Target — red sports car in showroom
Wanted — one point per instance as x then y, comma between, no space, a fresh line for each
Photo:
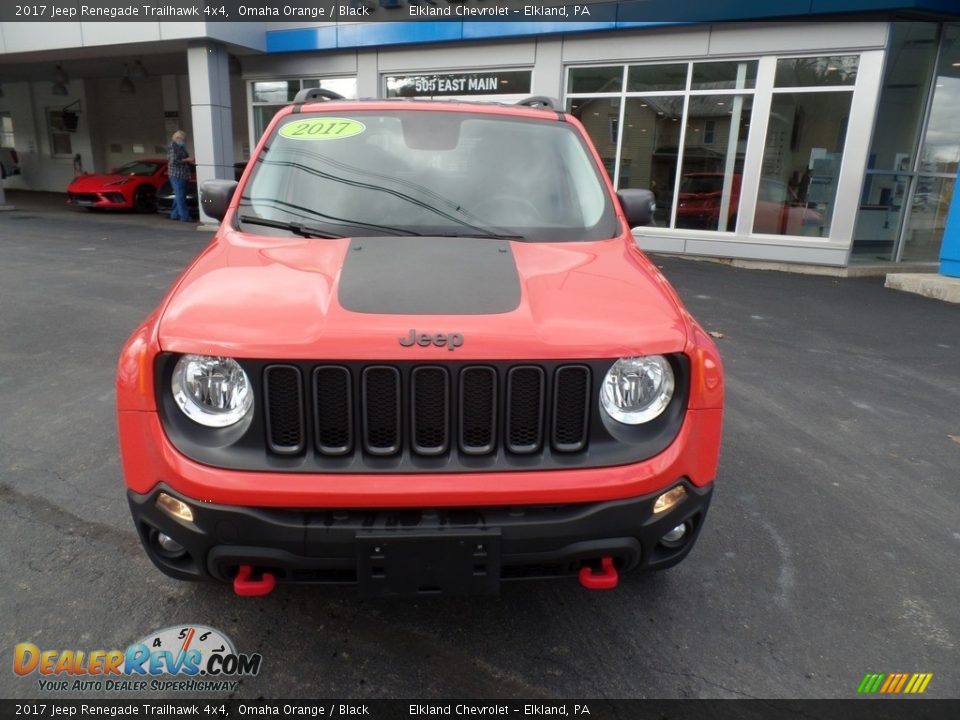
129,187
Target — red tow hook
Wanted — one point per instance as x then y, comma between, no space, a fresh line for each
606,579
244,586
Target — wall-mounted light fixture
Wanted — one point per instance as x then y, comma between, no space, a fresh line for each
139,71
60,80
126,84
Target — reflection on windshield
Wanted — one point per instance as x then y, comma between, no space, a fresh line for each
431,173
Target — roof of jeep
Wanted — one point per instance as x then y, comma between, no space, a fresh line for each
393,104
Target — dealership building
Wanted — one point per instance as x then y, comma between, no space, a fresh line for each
822,132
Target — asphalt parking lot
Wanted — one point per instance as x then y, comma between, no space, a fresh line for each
830,550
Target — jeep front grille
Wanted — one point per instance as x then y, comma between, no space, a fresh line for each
456,416
478,410
571,407
332,410
284,418
380,410
427,410
524,409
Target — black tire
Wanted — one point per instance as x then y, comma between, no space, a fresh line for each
145,199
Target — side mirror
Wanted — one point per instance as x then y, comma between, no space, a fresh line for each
215,197
638,205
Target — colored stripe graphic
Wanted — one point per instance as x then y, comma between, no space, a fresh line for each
918,683
903,679
894,683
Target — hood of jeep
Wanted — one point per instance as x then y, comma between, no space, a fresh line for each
403,298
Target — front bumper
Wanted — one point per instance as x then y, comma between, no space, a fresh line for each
111,200
348,546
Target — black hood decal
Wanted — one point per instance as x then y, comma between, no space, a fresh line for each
429,276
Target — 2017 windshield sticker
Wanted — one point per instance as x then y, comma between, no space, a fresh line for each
334,128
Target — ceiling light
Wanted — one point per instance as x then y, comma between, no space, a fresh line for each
59,89
139,71
60,75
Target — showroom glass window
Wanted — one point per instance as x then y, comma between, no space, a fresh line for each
915,149
268,96
680,130
939,158
910,64
806,132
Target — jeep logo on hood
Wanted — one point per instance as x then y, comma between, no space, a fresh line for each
451,340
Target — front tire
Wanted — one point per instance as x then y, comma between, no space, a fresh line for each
145,199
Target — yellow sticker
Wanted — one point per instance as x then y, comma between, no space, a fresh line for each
327,128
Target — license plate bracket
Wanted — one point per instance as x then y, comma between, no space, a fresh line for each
464,562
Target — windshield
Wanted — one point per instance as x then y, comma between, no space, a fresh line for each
137,167
700,184
409,172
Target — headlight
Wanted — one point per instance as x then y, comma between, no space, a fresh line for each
124,181
637,389
213,391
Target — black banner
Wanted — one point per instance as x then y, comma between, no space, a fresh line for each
887,709
580,12
317,10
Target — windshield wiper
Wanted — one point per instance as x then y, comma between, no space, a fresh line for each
381,187
490,235
294,227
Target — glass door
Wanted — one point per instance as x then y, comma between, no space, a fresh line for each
887,188
939,159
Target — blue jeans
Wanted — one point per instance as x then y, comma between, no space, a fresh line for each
180,210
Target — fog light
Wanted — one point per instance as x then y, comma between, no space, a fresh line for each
174,508
675,535
669,500
169,545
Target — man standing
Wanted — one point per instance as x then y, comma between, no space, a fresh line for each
179,173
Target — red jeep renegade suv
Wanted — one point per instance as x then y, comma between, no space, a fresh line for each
423,354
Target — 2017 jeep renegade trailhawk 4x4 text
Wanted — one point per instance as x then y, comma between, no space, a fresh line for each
423,354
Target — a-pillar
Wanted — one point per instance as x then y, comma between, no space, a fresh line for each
212,142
